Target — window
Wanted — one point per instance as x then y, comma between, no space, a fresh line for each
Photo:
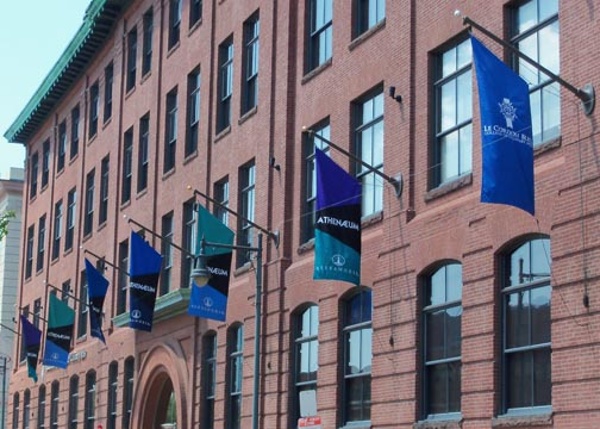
94,109
225,84
235,347
33,175
147,48
71,213
104,176
29,257
89,203
536,34
195,12
442,312
73,401
127,166
83,306
209,379
37,312
74,132
62,146
26,408
15,422
131,58
171,130
123,279
306,355
143,153
113,386
108,91
222,197
193,112
54,400
41,407
23,350
250,63
368,13
167,253
357,348
526,325
189,240
453,149
45,163
174,22
128,378
90,400
58,217
41,249
247,198
319,33
310,192
65,291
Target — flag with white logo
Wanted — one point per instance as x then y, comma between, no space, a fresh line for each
210,300
337,224
32,338
97,287
59,333
506,132
144,269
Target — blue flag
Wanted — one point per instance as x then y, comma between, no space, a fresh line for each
210,300
59,333
337,225
97,287
32,338
144,269
506,132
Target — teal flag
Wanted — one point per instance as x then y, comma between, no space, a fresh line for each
59,333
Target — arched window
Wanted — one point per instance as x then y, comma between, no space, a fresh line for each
26,408
54,398
90,400
526,342
209,378
235,370
41,414
442,313
128,378
15,422
73,401
113,373
306,355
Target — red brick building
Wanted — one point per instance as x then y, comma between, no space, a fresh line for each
470,315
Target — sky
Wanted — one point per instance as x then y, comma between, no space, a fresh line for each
33,35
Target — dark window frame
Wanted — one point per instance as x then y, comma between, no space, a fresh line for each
71,217
83,309
33,175
128,384
319,32
195,12
88,221
143,153
148,30
54,404
108,91
75,124
250,62
225,84
247,209
305,340
167,233
41,244
94,111
58,228
209,378
112,395
123,279
170,149
127,173
193,112
131,59
73,402
235,376
41,407
104,189
367,14
175,14
62,146
45,163
90,400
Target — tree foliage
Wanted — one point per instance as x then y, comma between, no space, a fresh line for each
4,219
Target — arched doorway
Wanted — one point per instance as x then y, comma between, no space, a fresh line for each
166,411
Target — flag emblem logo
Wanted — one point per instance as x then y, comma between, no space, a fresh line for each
136,314
508,111
207,301
338,260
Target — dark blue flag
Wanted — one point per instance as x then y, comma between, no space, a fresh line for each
32,338
210,300
337,224
97,287
144,268
506,133
59,333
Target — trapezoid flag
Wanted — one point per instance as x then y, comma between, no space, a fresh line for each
337,224
506,132
210,301
32,338
59,333
97,287
144,269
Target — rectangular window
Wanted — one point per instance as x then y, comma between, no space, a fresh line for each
123,278
26,408
113,388
108,91
71,214
143,153
73,401
37,312
131,58
15,419
22,350
167,253
45,163
127,166
452,154
536,33
319,33
94,109
62,146
250,63
171,131
88,221
104,176
128,379
41,249
235,376
147,48
222,197
174,22
74,132
368,137
225,84
195,12
310,191
306,354
54,400
65,291
368,13
209,380
189,240
90,400
83,306
58,226
29,257
247,199
193,112
33,175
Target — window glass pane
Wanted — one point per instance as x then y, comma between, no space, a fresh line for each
540,315
366,354
542,384
448,105
519,373
453,282
434,322
437,288
464,99
453,331
359,399
464,54
449,62
449,158
549,57
517,320
354,352
528,46
551,111
527,16
466,149
547,8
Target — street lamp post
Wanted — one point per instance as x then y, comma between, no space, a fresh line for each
200,276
